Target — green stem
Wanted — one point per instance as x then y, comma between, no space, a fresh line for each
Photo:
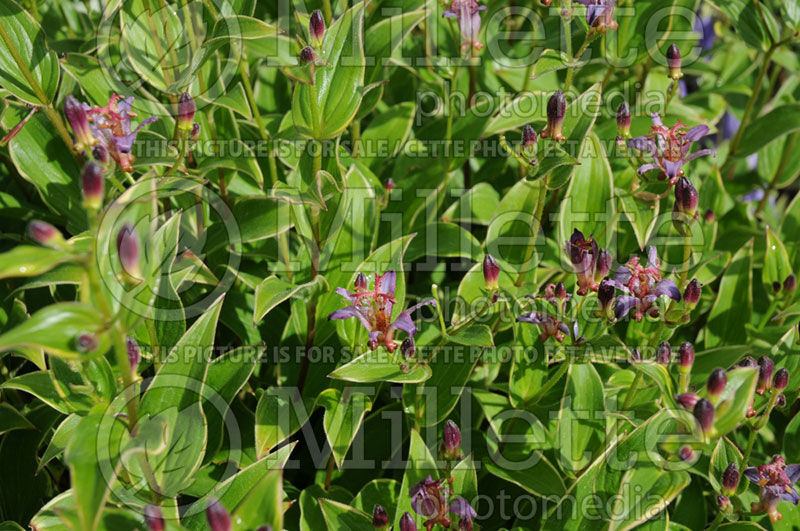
590,36
355,133
670,94
637,380
751,439
181,156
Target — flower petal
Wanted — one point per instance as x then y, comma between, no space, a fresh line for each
791,497
462,508
450,14
644,168
696,133
624,305
404,321
752,474
532,317
388,283
793,473
348,312
346,294
667,287
622,277
700,153
642,143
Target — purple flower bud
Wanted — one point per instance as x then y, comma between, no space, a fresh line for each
408,348
765,369
407,523
687,400
704,413
781,379
780,401
45,234
128,251
790,283
308,55
491,272
605,294
389,186
361,282
724,503
686,356
451,442
691,295
748,362
636,355
465,524
603,265
560,291
380,519
709,216
194,134
556,109
100,154
186,110
685,197
86,342
134,354
153,518
79,121
674,62
217,516
686,454
529,137
776,287
664,353
716,383
316,28
730,479
624,120
92,183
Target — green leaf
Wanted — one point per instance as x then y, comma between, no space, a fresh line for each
279,414
642,215
731,310
476,206
39,384
383,492
420,465
311,517
380,366
725,452
344,413
659,374
323,110
23,41
11,419
29,261
270,293
445,240
731,408
345,518
387,134
775,124
59,440
777,266
263,505
512,222
581,422
475,335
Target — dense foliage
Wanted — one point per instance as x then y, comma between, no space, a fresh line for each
407,264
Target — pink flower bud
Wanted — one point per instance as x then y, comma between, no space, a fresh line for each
686,454
491,272
134,354
674,62
361,282
380,519
717,381
790,283
704,413
686,356
691,295
79,121
153,518
316,28
451,442
687,400
217,516
408,348
624,120
93,184
308,55
664,353
128,251
45,234
685,197
730,479
556,110
407,523
186,110
781,379
86,342
765,370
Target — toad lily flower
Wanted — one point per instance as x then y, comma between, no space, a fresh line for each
670,147
600,14
374,310
590,262
469,22
642,286
429,499
551,326
777,483
111,127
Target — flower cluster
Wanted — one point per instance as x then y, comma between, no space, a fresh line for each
600,14
590,263
776,480
641,287
467,12
552,326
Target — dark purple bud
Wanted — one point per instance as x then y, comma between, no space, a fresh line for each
687,400
451,442
724,503
407,523
624,120
748,362
217,516
361,282
529,137
194,134
560,291
776,287
45,234
153,518
605,294
380,519
730,479
603,265
79,121
100,154
128,250
86,342
186,110
781,379
308,55
266,527
685,356
691,295
704,413
636,355
92,183
780,401
765,369
790,283
685,197
465,524
716,383
686,454
316,28
491,272
664,353
389,185
674,62
408,348
556,109
134,354
709,216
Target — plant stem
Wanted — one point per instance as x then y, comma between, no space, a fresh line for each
637,380
181,156
244,70
355,133
751,439
590,36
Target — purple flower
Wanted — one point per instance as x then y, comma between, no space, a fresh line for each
469,22
461,507
642,286
428,499
776,481
670,147
600,14
374,310
590,262
111,126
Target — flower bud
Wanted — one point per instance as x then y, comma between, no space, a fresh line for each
217,516
636,356
308,55
687,400
491,272
691,295
529,140
664,353
790,283
748,362
451,442
704,413
605,294
389,186
186,110
316,28
776,287
730,479
361,282
380,519
407,523
408,348
556,109
685,197
685,357
128,251
153,518
603,265
724,504
45,234
100,154
686,454
781,379
194,134
134,354
780,401
674,62
86,342
623,121
765,369
716,383
709,216
79,121
92,183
